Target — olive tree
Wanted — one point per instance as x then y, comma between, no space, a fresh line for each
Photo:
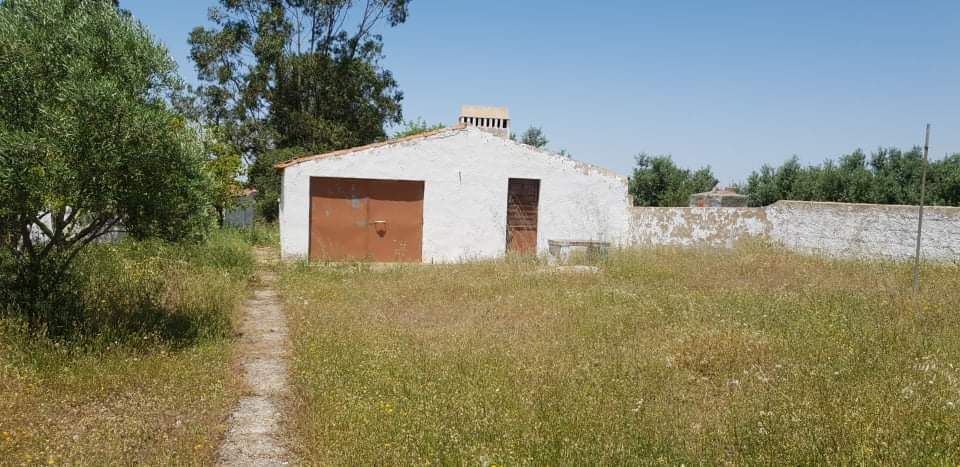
657,181
88,143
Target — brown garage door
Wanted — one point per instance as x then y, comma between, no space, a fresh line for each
523,199
356,219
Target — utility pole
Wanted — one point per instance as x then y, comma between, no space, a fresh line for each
923,189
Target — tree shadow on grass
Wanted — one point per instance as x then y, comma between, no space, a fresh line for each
140,324
151,326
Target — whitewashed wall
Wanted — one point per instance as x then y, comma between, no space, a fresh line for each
833,229
716,227
465,173
865,230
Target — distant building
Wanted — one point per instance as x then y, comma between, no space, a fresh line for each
493,120
718,198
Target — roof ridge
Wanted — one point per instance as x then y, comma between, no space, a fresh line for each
340,152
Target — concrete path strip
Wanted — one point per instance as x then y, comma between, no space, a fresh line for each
254,435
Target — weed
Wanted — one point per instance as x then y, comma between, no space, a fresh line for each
751,356
262,234
144,375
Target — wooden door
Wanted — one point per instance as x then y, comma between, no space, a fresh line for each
523,199
354,219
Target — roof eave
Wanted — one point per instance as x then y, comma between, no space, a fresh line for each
283,165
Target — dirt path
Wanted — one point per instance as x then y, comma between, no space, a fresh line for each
254,433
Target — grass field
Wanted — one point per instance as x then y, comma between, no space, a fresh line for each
146,377
664,357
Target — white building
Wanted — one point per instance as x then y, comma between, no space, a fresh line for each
448,195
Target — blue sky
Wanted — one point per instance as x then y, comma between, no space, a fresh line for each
728,84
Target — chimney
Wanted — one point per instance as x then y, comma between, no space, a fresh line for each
493,120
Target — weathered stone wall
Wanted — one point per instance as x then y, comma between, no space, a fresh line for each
834,229
720,227
865,230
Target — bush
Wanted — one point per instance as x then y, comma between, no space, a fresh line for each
151,292
144,374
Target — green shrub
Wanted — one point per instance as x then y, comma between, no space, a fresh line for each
144,293
143,375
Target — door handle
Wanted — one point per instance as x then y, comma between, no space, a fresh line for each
380,227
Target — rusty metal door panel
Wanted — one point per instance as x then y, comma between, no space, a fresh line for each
395,214
338,219
523,200
355,219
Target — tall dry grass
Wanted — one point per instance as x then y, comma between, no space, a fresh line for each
144,376
665,357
